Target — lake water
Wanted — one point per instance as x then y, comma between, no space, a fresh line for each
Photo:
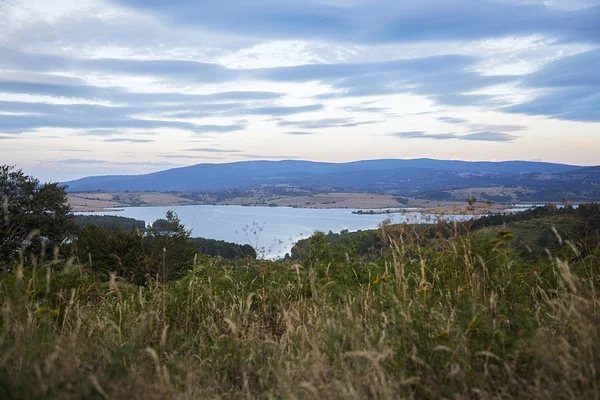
271,230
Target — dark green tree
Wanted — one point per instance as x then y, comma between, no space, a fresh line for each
168,248
116,250
33,216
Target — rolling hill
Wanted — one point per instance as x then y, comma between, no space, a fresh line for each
416,177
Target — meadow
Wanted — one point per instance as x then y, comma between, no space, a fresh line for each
445,311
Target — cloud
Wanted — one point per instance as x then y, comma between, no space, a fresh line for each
220,128
423,135
487,136
482,127
213,150
446,79
185,156
100,132
377,21
269,157
568,88
129,140
73,150
106,163
299,133
279,111
326,123
76,161
89,116
365,107
498,128
148,163
56,85
453,120
79,116
88,25
462,99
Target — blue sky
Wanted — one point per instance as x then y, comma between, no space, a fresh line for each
132,86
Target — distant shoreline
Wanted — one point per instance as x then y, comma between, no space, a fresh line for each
361,203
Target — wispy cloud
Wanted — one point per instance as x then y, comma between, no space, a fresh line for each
128,140
186,156
73,150
453,120
379,21
76,161
499,128
568,88
326,123
269,157
486,136
213,150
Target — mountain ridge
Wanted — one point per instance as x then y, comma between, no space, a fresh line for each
414,177
244,174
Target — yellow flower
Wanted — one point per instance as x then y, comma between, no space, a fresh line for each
504,235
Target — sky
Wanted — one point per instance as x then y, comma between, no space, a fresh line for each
97,87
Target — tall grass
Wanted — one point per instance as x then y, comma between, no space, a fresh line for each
462,319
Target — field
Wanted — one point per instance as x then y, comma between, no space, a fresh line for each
422,312
101,200
98,201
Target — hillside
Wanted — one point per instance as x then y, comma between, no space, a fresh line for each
424,178
418,177
530,233
405,311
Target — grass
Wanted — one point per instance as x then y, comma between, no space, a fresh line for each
467,318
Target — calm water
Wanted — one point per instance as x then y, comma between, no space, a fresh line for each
270,230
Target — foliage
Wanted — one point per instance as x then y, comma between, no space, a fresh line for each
33,216
111,222
117,251
402,200
223,249
584,210
534,233
459,316
164,251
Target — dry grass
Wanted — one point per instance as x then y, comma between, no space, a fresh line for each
462,320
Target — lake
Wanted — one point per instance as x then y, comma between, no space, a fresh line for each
272,231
